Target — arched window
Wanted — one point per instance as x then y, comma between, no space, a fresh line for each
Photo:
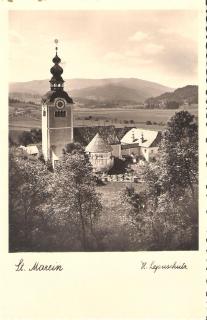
60,113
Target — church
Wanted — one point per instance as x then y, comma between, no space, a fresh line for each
57,116
57,131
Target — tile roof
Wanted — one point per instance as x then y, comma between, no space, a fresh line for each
142,137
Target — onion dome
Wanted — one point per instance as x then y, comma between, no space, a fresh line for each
56,70
56,80
56,59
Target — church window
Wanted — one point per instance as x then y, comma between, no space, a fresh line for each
60,113
44,113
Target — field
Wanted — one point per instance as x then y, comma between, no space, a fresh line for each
113,219
119,117
123,117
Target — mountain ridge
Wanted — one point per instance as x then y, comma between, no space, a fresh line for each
187,94
136,90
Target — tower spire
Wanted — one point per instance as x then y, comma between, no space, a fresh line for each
56,80
56,48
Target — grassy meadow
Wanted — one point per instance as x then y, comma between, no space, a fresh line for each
114,230
119,117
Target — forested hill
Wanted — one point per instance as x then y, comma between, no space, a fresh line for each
120,90
187,94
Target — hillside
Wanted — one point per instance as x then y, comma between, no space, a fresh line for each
116,89
110,92
185,95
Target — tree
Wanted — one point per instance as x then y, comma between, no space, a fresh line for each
32,136
138,219
75,197
36,135
166,214
25,138
74,148
172,105
179,154
29,191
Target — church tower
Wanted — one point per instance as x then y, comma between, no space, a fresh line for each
57,116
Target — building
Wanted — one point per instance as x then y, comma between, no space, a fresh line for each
57,116
100,154
141,143
31,150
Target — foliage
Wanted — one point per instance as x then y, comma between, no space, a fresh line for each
74,148
84,135
52,211
173,99
75,198
165,215
62,210
29,190
32,136
179,153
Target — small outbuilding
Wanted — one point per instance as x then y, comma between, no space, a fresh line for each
31,150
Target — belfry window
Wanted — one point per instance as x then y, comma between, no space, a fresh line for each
60,113
44,113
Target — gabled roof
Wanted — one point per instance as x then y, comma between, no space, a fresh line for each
31,149
142,137
98,145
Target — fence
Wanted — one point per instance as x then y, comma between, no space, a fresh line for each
119,178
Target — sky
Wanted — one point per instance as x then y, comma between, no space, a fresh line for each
159,45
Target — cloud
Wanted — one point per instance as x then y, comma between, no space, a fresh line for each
153,48
153,45
138,36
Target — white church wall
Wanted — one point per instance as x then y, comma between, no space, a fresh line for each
44,133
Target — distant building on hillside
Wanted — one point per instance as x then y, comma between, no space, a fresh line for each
141,142
100,154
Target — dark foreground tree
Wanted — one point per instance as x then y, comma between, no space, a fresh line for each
75,198
32,136
29,191
179,154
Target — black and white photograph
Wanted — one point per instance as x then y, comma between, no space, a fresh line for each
103,130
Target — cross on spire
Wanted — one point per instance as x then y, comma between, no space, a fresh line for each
56,42
56,80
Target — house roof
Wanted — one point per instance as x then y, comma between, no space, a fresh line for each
142,137
31,149
98,145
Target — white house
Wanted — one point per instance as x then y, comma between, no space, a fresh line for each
141,142
31,150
